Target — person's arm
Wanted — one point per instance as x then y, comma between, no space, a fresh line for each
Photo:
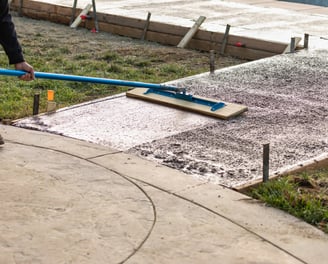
9,42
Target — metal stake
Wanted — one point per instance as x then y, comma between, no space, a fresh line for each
225,39
143,37
212,61
95,15
36,101
306,41
292,45
266,157
20,8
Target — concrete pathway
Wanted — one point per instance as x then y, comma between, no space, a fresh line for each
67,201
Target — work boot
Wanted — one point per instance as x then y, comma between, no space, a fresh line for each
1,140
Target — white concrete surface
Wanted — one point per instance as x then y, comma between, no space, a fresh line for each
118,122
266,19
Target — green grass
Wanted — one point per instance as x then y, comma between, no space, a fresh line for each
16,96
58,49
303,195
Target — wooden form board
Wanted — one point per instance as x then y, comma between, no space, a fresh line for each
190,34
78,19
157,31
227,112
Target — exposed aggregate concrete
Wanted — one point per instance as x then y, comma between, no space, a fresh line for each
287,97
288,106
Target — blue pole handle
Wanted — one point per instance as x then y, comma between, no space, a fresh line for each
76,78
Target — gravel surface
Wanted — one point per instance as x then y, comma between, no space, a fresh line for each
287,97
287,100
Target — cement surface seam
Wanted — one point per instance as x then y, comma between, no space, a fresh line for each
133,181
137,248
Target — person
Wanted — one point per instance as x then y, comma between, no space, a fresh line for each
11,46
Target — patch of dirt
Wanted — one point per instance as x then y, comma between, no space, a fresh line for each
313,185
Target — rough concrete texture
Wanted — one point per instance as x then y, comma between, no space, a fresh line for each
287,100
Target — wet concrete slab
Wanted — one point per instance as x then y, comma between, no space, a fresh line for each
118,122
287,102
286,96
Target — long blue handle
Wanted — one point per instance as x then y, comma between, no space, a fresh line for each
76,78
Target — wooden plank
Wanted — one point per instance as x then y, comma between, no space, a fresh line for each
259,44
42,7
203,45
59,19
34,5
159,32
45,16
121,30
140,24
244,53
184,42
64,10
78,19
121,20
36,14
167,39
227,112
248,54
200,34
163,38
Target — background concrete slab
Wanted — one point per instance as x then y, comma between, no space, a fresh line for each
275,20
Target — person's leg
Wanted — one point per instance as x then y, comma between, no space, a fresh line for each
1,140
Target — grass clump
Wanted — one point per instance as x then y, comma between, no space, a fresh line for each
303,195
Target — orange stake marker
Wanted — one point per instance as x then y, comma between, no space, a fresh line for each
51,95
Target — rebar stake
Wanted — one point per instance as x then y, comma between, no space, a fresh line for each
266,157
36,101
212,61
306,41
225,39
292,45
